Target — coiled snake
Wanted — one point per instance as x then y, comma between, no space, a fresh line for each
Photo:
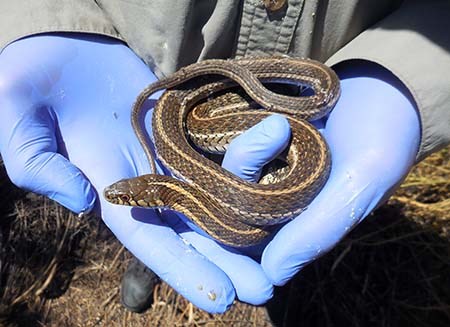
204,106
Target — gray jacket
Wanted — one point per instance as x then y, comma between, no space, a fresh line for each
410,38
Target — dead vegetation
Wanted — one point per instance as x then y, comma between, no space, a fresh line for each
393,270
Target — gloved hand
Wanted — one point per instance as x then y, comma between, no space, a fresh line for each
373,134
65,132
73,96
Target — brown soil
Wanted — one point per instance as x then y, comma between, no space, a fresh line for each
392,270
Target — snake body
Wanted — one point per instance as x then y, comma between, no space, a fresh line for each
204,106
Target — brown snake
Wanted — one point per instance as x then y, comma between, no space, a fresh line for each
232,211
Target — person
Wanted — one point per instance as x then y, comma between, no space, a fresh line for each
70,71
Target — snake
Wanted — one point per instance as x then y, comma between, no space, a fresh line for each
206,105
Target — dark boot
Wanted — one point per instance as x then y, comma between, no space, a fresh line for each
136,291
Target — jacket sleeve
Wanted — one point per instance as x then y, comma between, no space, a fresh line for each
22,18
414,44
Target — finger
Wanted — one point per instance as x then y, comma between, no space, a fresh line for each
29,149
348,199
248,278
170,257
249,152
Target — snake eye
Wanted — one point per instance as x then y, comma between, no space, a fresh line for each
125,198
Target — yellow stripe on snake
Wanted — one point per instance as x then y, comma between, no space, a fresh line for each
206,105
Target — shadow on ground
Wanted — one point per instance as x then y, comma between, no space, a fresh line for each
389,271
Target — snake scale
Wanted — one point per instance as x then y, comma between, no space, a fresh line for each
205,105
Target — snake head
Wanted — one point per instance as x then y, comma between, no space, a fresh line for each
120,192
142,191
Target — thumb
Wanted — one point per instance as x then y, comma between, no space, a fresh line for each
29,148
249,152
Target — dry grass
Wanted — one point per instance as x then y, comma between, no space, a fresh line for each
393,270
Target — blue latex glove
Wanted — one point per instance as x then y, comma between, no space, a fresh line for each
65,132
373,134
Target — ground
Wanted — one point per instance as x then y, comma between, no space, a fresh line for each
392,270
